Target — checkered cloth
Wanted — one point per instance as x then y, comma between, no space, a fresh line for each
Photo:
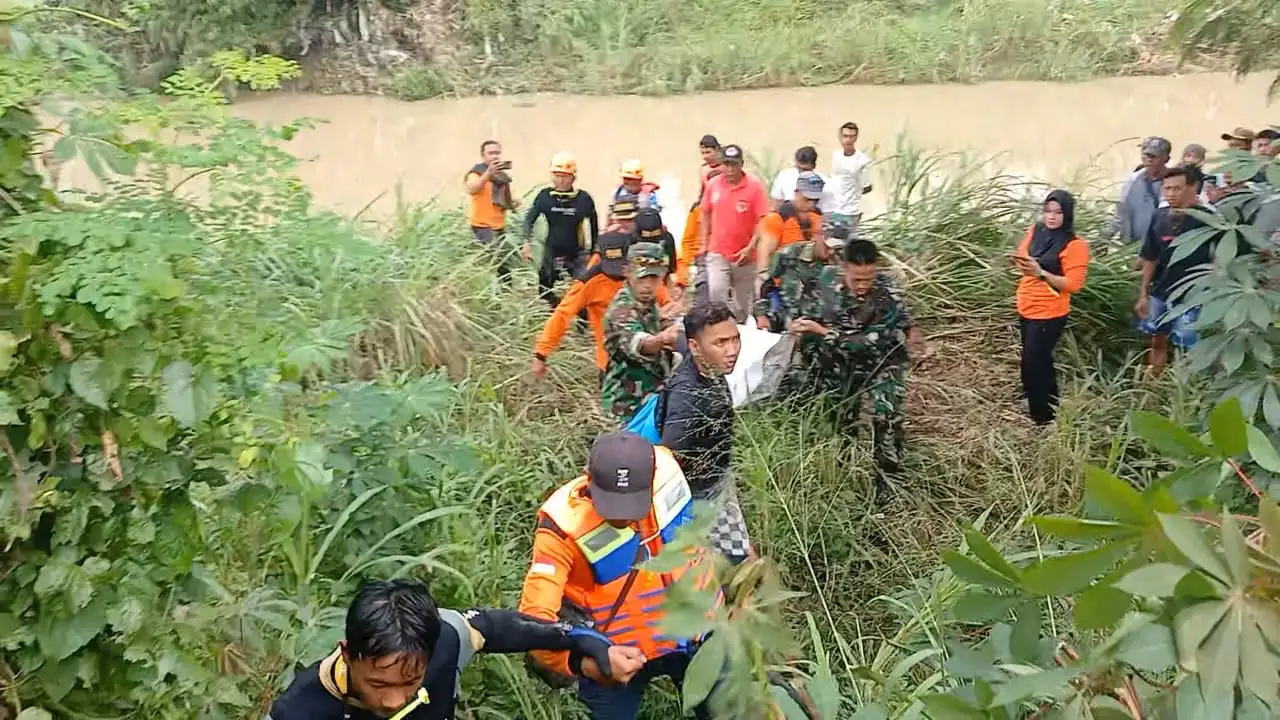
728,535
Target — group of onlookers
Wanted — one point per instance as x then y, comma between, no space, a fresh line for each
1152,212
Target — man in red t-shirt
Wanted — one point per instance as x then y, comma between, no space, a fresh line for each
732,205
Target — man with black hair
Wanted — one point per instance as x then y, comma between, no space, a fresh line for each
784,184
488,185
861,317
402,657
696,419
1161,275
850,179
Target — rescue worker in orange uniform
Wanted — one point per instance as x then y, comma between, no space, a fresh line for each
591,536
594,290
690,255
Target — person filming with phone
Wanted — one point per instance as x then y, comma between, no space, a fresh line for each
488,183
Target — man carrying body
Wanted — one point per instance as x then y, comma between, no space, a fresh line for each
861,316
572,227
489,186
850,179
639,347
696,419
732,205
793,277
403,656
1161,276
1140,196
592,535
798,219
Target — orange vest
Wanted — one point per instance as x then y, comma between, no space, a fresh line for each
612,552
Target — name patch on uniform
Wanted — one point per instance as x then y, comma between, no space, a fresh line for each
613,253
542,568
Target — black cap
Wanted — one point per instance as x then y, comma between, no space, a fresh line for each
731,153
621,467
649,223
709,141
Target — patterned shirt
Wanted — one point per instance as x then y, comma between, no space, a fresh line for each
630,375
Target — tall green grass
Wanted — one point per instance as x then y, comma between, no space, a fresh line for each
670,46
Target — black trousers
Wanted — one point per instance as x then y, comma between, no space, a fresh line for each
1039,378
552,268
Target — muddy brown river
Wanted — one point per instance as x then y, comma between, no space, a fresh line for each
1045,130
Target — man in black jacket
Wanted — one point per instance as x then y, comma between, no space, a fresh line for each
572,227
403,657
697,421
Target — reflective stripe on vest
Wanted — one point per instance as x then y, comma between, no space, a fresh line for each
612,551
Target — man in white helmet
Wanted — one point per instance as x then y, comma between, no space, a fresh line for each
572,227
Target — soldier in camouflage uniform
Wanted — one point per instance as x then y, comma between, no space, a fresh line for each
860,318
640,350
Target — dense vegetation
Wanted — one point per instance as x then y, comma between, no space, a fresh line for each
224,407
425,48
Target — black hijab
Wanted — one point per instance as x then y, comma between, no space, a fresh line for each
1046,244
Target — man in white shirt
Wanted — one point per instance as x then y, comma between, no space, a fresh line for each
850,178
784,185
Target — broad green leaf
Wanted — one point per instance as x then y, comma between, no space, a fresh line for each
824,692
791,710
153,432
1218,659
1071,528
1262,451
1191,626
1167,437
1115,496
980,546
1269,516
85,380
34,713
1188,538
1149,648
1099,607
8,348
188,397
1025,641
59,637
950,707
1158,580
1235,551
1069,574
1194,482
704,670
971,662
976,606
1227,428
1049,683
972,571
1271,406
1258,668
870,712
8,409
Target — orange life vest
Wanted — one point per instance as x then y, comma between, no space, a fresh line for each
612,553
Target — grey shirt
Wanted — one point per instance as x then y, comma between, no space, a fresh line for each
1139,199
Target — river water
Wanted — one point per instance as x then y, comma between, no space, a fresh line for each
1045,130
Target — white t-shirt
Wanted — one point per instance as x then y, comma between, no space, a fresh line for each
784,187
849,174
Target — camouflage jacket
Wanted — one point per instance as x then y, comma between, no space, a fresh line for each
630,375
793,273
869,333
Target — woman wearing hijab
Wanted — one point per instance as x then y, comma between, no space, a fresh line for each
1053,262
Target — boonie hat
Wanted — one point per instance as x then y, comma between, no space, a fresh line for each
620,469
1157,146
647,259
731,153
1240,133
810,184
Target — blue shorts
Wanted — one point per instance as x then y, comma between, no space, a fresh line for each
1180,328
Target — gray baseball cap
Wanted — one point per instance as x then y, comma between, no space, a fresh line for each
810,184
621,467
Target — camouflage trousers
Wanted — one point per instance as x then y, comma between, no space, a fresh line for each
841,392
